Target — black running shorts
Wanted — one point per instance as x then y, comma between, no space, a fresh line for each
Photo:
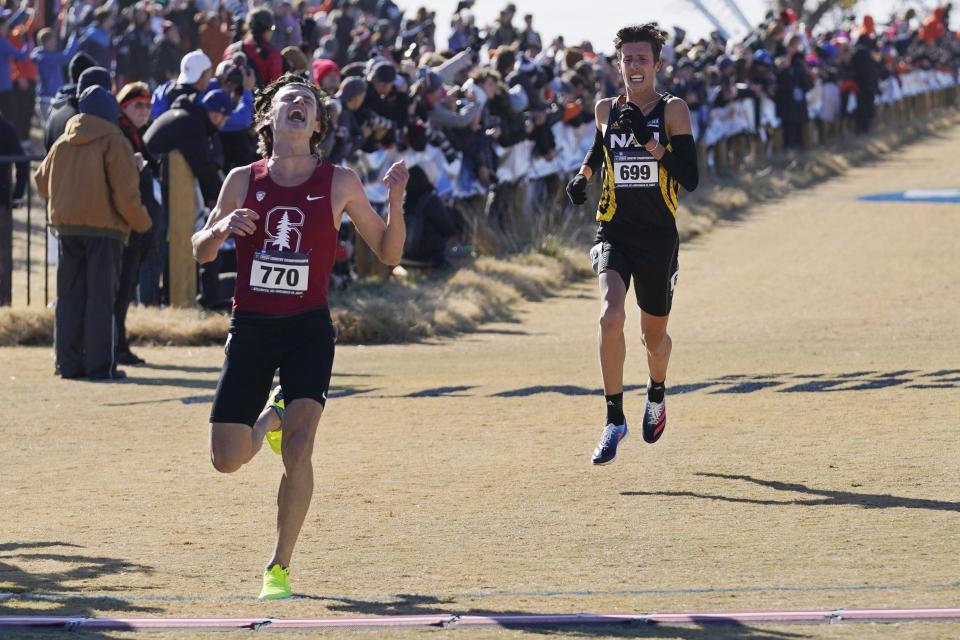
654,270
300,346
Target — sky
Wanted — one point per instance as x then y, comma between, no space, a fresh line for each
598,20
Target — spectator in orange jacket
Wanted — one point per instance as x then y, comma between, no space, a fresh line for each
91,181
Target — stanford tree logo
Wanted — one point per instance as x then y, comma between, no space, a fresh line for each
283,229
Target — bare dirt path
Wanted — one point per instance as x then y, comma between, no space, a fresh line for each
811,457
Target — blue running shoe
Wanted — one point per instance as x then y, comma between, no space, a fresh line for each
613,435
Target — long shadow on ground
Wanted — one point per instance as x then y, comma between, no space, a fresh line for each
174,367
25,590
413,604
828,497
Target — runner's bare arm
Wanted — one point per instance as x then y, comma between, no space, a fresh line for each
227,217
681,161
385,238
677,115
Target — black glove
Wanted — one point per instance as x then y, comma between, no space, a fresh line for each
577,189
632,119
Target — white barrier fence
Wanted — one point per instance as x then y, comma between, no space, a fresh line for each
518,162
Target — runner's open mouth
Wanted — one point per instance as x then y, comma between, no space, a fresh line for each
636,78
296,115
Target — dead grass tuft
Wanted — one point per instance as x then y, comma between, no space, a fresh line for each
25,327
447,303
182,327
423,306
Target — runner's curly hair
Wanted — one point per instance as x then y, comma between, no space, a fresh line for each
649,32
264,101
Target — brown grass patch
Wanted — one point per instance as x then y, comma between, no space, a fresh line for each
25,327
447,303
421,306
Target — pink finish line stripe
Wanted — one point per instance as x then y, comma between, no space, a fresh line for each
453,620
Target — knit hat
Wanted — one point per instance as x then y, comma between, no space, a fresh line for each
322,67
217,101
97,101
80,63
93,77
350,88
192,67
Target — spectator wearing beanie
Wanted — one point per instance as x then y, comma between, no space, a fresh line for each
326,74
57,122
65,104
90,180
192,129
195,73
134,99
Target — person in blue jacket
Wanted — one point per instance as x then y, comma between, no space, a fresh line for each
8,53
50,61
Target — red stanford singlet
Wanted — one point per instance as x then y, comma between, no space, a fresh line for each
284,268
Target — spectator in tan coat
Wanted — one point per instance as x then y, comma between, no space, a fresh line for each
91,183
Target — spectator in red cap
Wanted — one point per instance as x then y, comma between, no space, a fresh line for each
326,74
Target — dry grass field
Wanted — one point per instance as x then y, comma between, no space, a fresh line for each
811,459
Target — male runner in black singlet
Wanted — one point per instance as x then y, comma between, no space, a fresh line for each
645,146
285,212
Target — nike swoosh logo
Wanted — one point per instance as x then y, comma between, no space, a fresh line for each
312,198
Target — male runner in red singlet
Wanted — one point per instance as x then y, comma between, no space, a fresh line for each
284,212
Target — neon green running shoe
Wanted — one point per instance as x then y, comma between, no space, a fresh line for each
276,583
275,437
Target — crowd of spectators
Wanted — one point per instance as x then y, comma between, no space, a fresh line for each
476,108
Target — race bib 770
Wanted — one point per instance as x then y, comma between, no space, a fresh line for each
283,272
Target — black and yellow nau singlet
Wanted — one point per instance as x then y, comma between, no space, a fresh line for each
639,197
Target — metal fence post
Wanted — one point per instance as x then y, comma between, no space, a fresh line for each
6,255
